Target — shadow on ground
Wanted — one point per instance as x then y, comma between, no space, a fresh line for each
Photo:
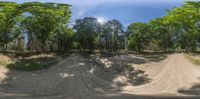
33,64
194,90
117,96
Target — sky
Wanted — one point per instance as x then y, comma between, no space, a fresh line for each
126,11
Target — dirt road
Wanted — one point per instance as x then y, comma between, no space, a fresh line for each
173,74
80,77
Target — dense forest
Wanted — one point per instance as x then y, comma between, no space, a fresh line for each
43,27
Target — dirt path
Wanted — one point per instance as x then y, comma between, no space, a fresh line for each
78,77
169,76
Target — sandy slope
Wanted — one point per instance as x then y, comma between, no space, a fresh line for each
169,76
79,77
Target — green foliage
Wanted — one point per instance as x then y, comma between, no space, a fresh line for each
93,35
45,18
178,30
116,33
9,16
65,37
138,35
193,57
87,31
3,63
39,27
36,19
186,19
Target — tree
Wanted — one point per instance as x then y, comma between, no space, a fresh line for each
88,30
106,37
113,35
44,27
64,37
163,33
43,20
138,36
9,17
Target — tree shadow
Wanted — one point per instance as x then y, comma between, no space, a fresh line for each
33,63
154,57
194,90
102,96
135,77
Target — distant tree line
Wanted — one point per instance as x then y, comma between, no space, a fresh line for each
178,30
43,27
91,35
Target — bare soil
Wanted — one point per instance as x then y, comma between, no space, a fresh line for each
80,77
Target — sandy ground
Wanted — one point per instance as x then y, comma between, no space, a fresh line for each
170,76
79,77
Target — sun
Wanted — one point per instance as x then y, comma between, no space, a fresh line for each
101,20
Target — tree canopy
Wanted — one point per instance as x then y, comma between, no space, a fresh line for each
43,27
178,30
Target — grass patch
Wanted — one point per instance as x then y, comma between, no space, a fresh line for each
3,63
5,60
32,64
194,58
197,62
154,57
